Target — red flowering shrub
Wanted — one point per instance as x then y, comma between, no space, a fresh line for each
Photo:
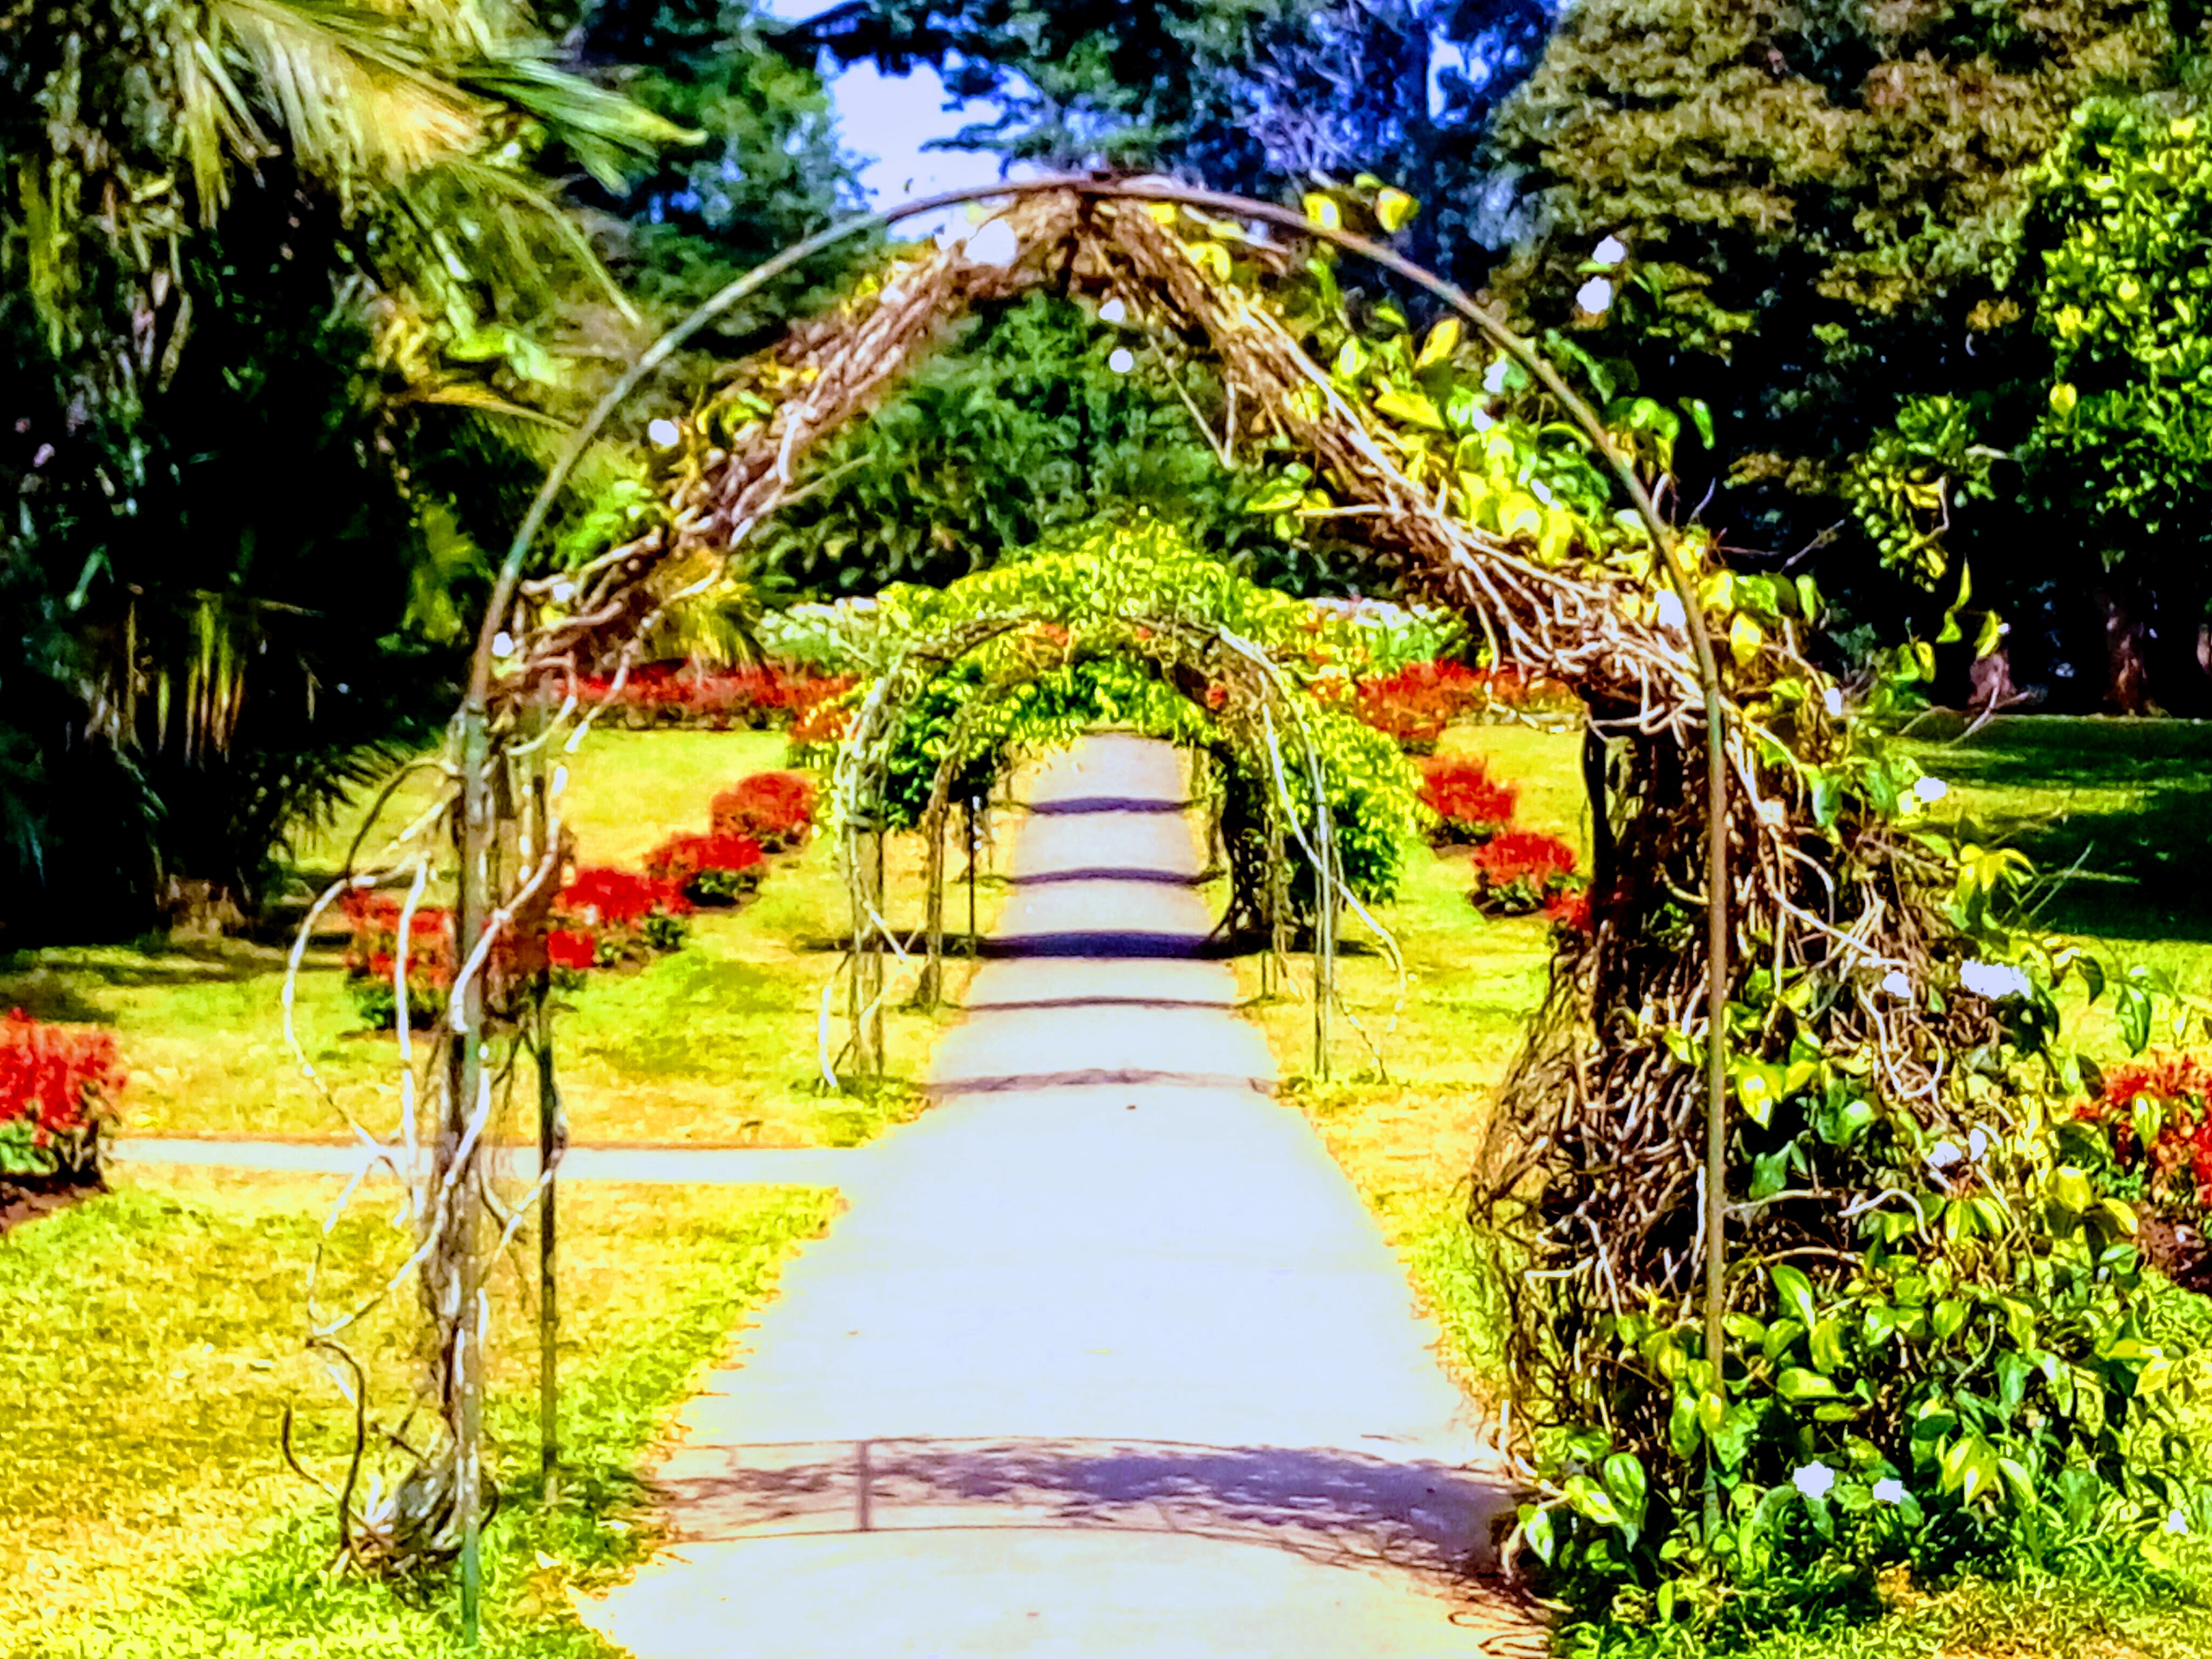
371,954
1415,704
2158,1113
711,869
1521,872
1569,911
776,809
1471,805
60,1086
630,914
690,694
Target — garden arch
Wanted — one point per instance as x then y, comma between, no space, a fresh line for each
1180,617
1745,778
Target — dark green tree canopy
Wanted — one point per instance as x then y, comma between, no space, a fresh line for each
1816,214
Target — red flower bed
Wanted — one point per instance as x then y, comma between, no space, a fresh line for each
1521,872
1472,805
604,896
710,869
776,809
60,1086
1415,704
571,950
686,694
2165,1097
1569,911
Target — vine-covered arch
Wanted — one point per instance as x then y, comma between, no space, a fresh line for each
1829,993
1234,652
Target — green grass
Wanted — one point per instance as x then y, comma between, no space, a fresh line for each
2115,815
712,1045
149,1511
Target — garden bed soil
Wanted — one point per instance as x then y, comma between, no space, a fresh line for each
24,1199
2175,1249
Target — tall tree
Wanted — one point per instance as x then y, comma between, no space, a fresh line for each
252,253
1036,417
1811,218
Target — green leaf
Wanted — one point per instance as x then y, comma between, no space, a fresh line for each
1796,1383
1701,417
1413,407
2134,1012
1623,1480
1593,1503
1442,341
1393,208
1795,1292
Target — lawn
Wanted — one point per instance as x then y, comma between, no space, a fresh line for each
149,1509
2114,813
712,1045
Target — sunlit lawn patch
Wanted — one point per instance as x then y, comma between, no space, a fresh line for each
713,1044
153,1339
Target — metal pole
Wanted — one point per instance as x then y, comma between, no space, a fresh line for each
466,1083
968,810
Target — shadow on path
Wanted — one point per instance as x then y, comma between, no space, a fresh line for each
1331,1505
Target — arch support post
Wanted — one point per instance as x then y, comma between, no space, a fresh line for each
457,1164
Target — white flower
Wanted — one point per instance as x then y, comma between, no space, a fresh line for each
995,244
1114,312
1122,360
1671,614
1595,296
1493,378
1833,701
503,645
1931,789
2176,1522
1610,251
1978,1144
1889,1491
1814,1480
664,432
1896,982
1994,980
1944,1155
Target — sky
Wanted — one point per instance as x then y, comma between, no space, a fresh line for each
886,119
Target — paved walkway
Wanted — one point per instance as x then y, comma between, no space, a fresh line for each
1107,1359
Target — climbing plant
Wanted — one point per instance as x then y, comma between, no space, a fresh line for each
1793,1239
1124,622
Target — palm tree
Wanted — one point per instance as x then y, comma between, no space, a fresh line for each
160,159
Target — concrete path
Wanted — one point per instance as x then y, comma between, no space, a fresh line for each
1108,1358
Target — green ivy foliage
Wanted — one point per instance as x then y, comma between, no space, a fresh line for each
1114,625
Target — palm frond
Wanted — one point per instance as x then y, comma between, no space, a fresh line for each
608,135
360,100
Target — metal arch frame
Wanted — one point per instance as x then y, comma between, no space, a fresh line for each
473,910
860,783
